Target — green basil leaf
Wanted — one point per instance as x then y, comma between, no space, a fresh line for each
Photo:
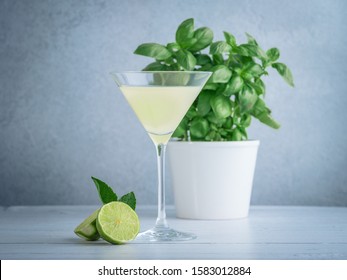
181,130
173,47
204,102
285,72
228,123
199,127
273,54
259,86
212,118
221,74
254,69
251,51
202,59
247,99
185,31
219,47
106,193
235,85
206,67
210,86
247,50
237,135
129,199
262,113
218,59
186,59
266,118
204,37
246,120
191,112
251,40
154,50
156,66
229,38
221,106
259,108
188,43
243,132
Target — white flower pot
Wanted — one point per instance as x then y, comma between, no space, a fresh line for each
212,180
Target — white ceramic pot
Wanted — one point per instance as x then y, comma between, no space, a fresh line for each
212,180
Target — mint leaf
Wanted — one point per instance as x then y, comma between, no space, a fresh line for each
129,199
106,193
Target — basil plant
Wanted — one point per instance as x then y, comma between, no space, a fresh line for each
235,92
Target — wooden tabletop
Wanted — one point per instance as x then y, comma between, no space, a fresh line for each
270,232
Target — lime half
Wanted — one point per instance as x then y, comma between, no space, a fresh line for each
117,223
87,229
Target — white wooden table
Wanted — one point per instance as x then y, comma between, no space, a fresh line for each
270,232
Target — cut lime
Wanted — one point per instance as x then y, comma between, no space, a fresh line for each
87,229
117,223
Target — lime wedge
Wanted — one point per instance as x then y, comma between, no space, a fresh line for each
117,223
87,229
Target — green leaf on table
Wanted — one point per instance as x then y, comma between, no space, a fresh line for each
285,72
186,59
221,74
185,31
204,37
106,193
129,199
154,50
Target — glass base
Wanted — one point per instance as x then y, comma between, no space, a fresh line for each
163,234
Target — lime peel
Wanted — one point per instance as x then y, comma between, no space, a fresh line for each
87,229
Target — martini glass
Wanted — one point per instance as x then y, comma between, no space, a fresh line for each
160,99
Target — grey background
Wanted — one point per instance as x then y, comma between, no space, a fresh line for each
62,119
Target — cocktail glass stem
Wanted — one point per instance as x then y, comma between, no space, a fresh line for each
161,218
